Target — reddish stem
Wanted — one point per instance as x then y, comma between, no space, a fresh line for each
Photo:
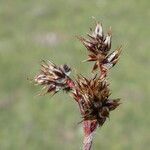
89,128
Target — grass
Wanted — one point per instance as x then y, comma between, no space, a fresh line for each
32,30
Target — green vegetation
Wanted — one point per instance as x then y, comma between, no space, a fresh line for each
31,30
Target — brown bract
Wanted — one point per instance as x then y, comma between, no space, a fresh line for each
54,78
92,96
99,46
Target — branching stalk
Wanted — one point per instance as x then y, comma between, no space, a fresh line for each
92,95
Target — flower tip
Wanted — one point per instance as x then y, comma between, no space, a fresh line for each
119,49
109,31
98,30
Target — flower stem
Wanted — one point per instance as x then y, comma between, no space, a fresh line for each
89,128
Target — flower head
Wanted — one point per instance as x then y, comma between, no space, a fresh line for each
93,98
92,95
54,78
99,45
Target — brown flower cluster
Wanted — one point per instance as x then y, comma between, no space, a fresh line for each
93,99
54,78
99,46
92,95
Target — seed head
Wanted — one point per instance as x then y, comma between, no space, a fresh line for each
92,95
54,78
99,47
93,98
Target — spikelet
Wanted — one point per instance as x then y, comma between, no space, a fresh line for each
98,45
93,98
54,78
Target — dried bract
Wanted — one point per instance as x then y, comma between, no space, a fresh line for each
54,78
93,98
99,46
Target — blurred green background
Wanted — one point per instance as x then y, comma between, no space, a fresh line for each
31,30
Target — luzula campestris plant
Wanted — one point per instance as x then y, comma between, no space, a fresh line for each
91,95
